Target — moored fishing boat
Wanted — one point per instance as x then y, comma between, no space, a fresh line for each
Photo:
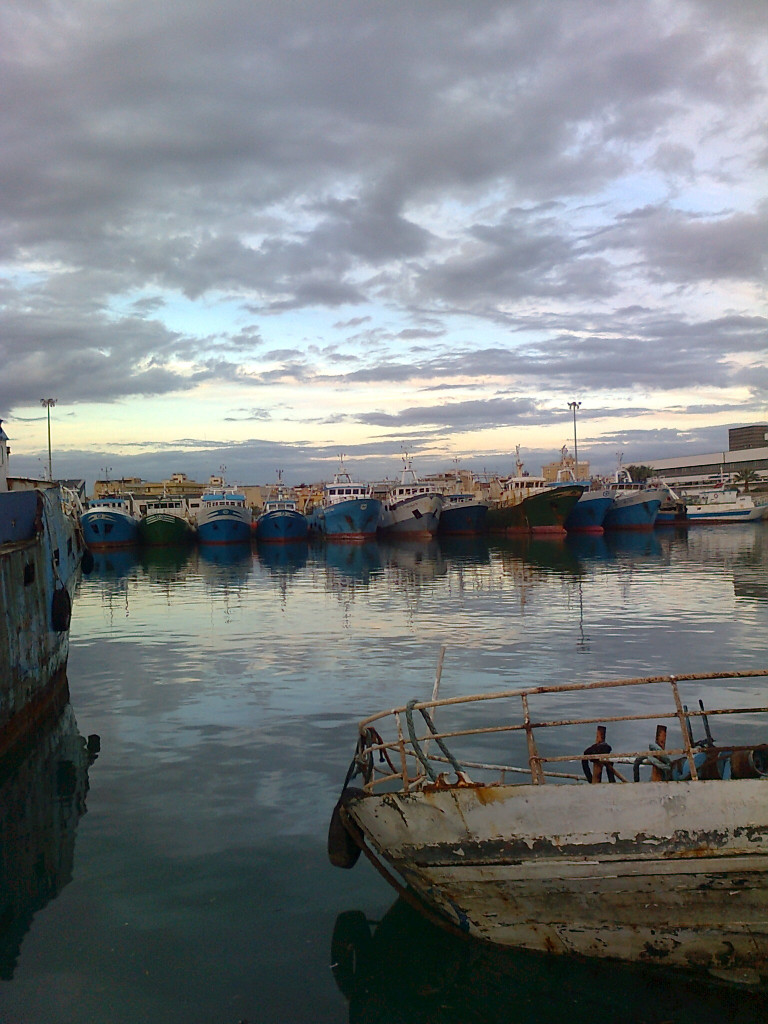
531,504
349,510
589,512
165,521
670,866
588,515
109,522
223,516
281,522
411,508
41,549
635,506
462,515
723,505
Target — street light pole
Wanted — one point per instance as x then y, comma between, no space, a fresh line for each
46,404
574,406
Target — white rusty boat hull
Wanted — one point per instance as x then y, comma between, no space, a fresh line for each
415,516
654,872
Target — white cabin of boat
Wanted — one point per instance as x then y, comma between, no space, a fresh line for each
344,488
409,485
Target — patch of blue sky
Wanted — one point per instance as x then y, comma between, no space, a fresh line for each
192,317
23,278
632,192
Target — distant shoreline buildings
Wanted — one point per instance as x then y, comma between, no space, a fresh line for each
747,451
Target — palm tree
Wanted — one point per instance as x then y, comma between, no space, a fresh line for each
746,477
641,473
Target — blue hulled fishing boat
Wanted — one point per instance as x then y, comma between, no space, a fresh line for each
462,514
589,512
349,510
223,517
635,506
109,522
281,520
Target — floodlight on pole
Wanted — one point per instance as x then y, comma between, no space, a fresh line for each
46,404
573,406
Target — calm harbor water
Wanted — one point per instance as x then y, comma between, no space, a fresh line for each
176,870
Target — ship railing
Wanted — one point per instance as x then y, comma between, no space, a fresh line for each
415,754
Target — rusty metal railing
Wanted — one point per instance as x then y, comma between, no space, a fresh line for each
406,759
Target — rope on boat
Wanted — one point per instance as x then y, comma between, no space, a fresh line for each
662,762
363,760
417,748
599,748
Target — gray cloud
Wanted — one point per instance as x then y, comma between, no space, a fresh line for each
675,246
518,198
472,415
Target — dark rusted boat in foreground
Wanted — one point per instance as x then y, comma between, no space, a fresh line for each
41,548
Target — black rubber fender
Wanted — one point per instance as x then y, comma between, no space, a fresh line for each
87,562
61,610
343,849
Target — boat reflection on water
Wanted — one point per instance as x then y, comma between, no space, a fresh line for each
116,570
634,543
226,554
405,970
284,559
413,559
588,547
353,561
42,797
552,554
475,548
165,564
749,579
115,562
225,565
716,545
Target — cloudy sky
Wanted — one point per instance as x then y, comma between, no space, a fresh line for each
257,233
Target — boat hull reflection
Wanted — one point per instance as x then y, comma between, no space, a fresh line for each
405,970
42,798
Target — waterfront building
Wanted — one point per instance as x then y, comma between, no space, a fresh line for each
753,436
178,485
747,451
553,471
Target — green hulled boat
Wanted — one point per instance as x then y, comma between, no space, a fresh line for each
166,522
541,510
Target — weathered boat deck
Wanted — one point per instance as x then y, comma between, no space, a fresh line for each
418,766
669,864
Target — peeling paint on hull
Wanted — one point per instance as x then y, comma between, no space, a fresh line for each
655,872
